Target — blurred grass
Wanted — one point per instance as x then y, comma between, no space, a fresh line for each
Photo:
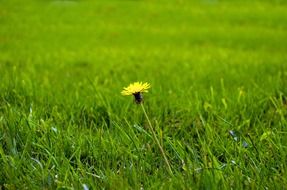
214,66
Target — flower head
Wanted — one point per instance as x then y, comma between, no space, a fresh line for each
136,89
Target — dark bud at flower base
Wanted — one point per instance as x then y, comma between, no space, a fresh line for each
138,97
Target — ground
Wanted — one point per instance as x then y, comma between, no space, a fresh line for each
217,102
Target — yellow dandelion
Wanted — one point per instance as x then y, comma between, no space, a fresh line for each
136,89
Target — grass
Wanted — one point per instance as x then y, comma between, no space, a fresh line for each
218,99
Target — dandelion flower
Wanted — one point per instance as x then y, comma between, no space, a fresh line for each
136,89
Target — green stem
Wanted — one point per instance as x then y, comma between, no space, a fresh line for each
157,141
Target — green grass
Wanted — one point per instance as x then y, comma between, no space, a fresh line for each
216,67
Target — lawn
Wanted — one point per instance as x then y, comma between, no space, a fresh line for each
217,102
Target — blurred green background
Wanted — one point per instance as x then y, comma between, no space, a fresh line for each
214,66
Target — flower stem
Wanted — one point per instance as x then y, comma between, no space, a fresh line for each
157,141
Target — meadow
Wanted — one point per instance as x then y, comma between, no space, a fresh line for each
217,103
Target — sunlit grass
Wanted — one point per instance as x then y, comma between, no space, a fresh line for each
217,106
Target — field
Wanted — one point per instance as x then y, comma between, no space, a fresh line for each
217,103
